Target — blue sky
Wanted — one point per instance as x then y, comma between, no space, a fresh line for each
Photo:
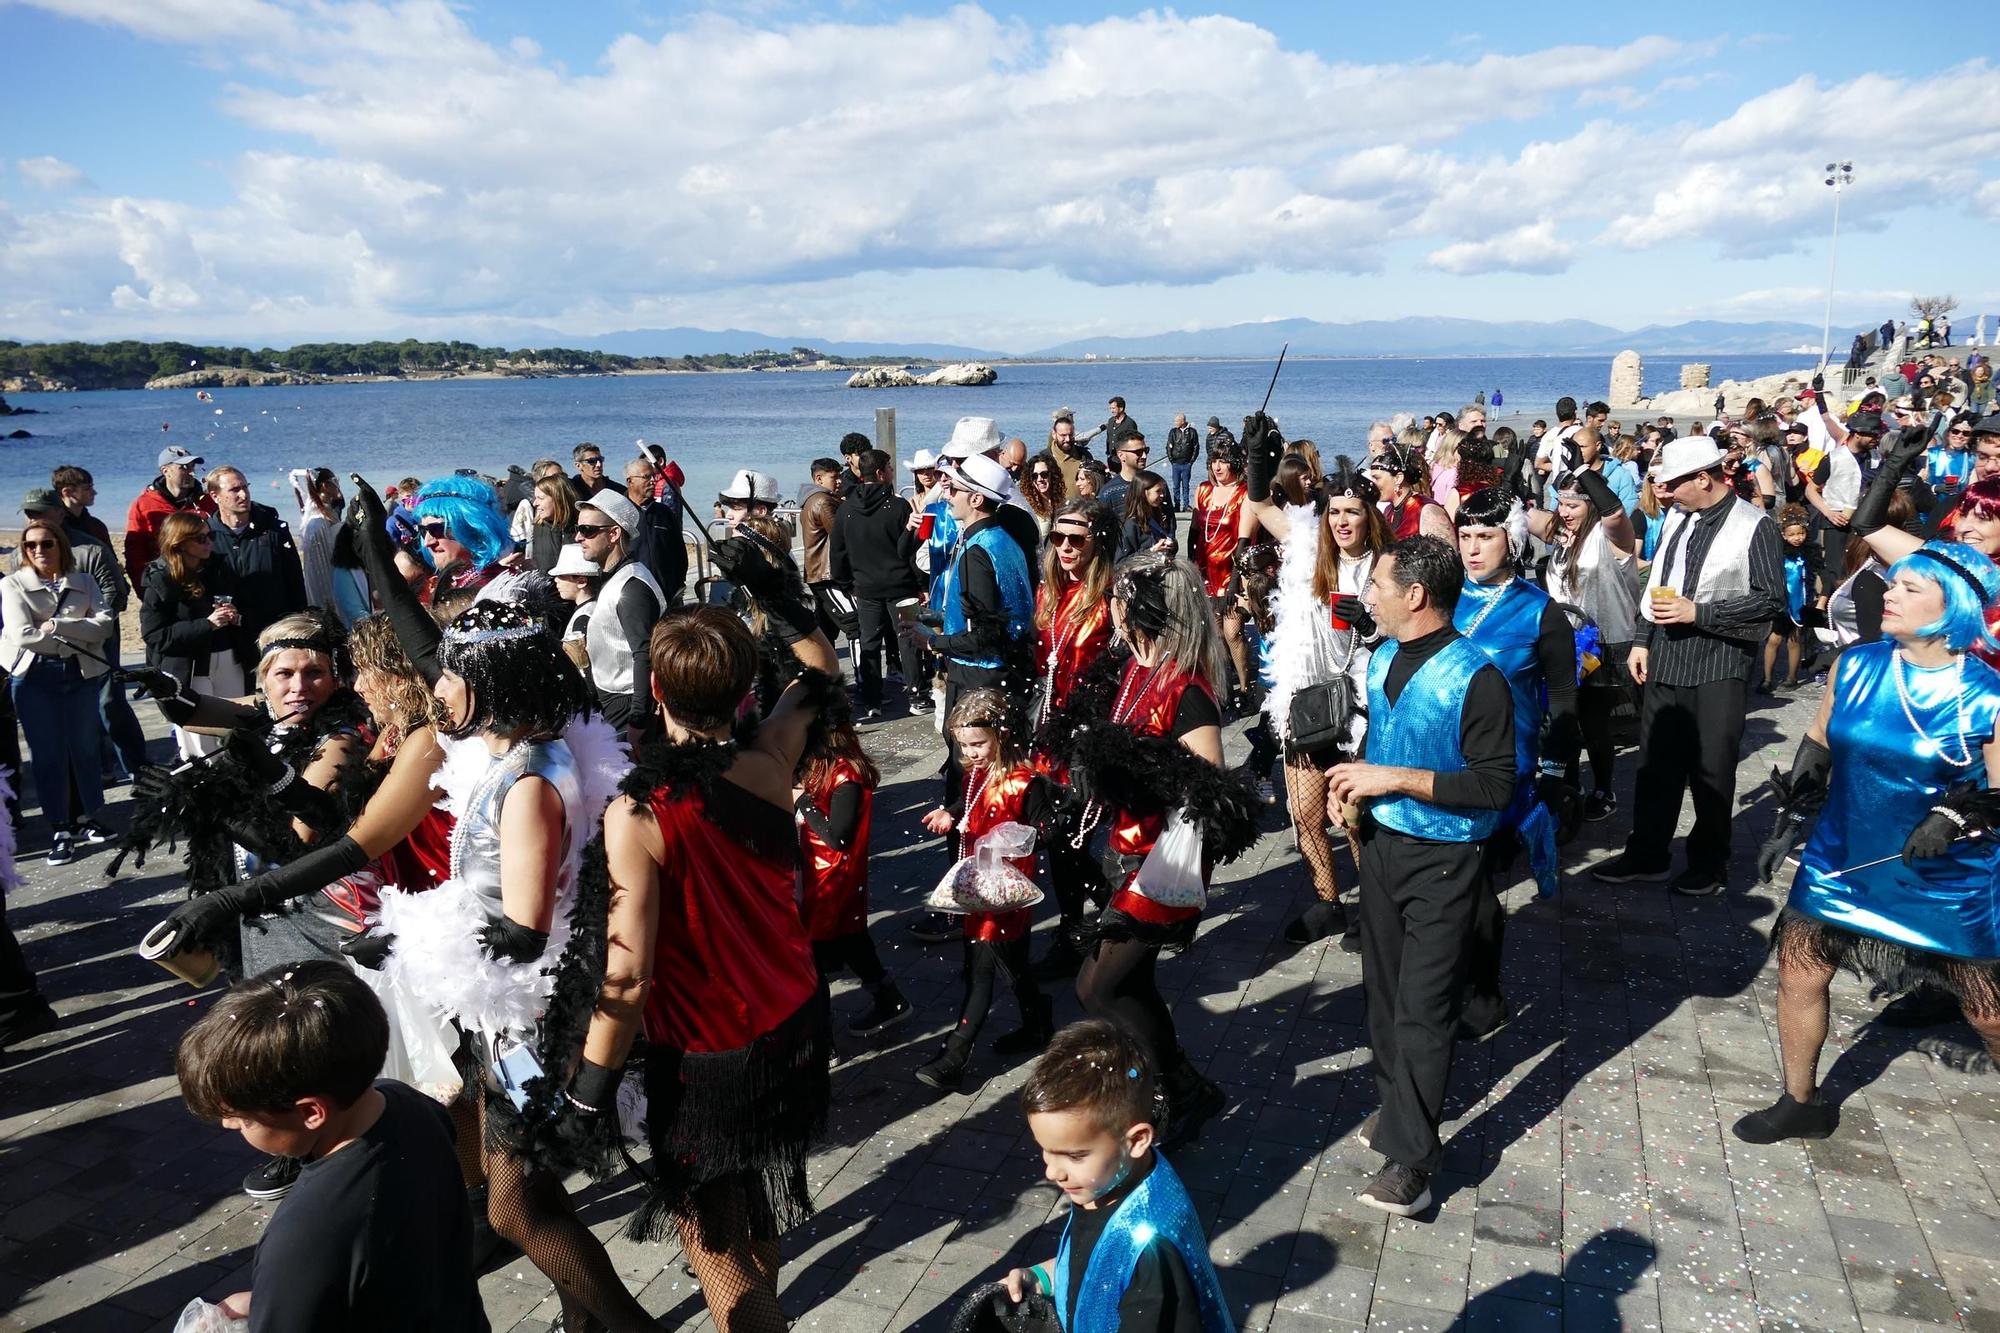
1007,177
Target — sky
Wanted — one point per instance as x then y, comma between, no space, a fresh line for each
1003,176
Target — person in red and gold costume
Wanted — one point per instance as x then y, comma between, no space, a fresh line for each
1406,502
1213,536
835,803
1001,787
1145,745
1073,625
707,952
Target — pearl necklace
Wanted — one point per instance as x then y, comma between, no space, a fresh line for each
1065,634
1491,601
1094,810
1210,526
1928,744
972,794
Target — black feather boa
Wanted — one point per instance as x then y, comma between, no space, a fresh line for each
1144,775
211,804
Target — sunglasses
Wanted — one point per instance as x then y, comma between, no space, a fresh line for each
591,529
1135,453
436,530
1042,475
595,460
1965,434
38,546
1069,539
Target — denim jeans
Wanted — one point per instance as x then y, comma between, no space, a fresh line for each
114,711
58,711
1183,475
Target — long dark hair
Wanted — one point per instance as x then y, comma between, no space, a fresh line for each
1045,508
1139,507
835,744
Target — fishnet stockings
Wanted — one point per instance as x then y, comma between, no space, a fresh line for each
1306,788
738,1274
531,1209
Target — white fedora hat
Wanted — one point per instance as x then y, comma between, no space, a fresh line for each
982,474
923,460
1688,455
571,560
972,436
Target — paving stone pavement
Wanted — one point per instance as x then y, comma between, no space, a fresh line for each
1590,1179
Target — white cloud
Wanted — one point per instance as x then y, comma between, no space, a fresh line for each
1534,248
50,173
443,175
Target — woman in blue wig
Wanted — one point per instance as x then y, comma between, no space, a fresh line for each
467,541
1897,882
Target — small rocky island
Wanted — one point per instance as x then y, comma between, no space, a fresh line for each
958,374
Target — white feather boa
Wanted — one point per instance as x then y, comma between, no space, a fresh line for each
437,956
1302,635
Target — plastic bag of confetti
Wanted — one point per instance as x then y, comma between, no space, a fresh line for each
987,880
200,1316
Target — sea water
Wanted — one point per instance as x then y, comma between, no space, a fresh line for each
777,422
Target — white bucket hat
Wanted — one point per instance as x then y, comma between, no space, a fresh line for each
972,436
749,484
571,561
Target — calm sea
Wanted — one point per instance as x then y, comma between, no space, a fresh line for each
717,423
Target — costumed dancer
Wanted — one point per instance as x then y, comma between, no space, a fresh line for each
1133,1255
835,802
1214,531
1318,660
1143,742
1406,503
1530,639
1073,624
1801,577
508,948
709,956
1897,882
1001,787
1593,568
469,547
1439,772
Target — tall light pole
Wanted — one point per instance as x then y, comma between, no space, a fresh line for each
1839,175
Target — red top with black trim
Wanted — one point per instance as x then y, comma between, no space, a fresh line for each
1406,516
1149,712
731,960
835,883
1003,799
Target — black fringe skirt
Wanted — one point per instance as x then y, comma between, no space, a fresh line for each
1887,967
748,1114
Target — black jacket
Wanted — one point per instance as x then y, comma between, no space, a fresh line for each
1183,445
661,548
270,585
174,622
872,549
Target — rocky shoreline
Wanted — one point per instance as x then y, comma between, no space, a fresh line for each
959,374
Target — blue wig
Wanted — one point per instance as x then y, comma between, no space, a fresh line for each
1969,582
471,515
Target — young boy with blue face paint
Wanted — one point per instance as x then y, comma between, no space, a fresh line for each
1134,1257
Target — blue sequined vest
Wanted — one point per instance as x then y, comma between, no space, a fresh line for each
1158,1209
1017,593
1420,730
1885,780
1508,634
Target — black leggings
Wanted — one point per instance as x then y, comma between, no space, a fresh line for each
1594,707
854,951
984,960
1117,983
1075,877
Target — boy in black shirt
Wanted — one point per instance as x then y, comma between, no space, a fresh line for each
1134,1258
377,1233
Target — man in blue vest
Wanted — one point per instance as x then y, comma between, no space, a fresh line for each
1439,771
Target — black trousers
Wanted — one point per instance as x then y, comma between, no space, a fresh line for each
1690,737
1418,900
879,636
983,963
855,952
19,995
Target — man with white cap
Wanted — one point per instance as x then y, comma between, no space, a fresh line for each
620,634
177,488
985,612
749,494
1716,585
979,437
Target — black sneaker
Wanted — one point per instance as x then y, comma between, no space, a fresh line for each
1692,883
1622,869
90,833
63,849
272,1178
1787,1119
871,715
935,928
1316,923
1401,1190
29,1025
1031,1036
1599,805
889,1009
946,1073
922,703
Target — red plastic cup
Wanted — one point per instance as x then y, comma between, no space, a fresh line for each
925,524
1333,615
1951,479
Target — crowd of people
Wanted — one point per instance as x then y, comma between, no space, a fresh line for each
478,795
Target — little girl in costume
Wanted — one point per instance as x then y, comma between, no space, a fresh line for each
835,804
1001,786
1801,581
1133,1256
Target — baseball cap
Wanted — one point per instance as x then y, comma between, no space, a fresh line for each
40,500
173,453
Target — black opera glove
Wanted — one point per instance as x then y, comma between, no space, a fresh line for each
509,941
